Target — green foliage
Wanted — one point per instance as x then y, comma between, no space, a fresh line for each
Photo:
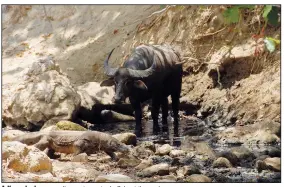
270,14
266,11
162,6
246,6
232,14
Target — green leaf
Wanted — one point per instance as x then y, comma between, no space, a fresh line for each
231,15
162,6
246,6
273,16
270,44
266,11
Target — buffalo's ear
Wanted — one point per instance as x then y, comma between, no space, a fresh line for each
108,82
140,84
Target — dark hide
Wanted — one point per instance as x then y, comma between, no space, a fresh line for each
151,72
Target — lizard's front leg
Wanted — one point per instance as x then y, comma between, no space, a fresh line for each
43,143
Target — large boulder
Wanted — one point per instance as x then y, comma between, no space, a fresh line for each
43,95
92,93
113,178
158,169
273,164
97,105
23,158
222,162
198,178
68,125
74,171
164,150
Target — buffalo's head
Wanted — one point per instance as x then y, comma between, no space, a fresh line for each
125,80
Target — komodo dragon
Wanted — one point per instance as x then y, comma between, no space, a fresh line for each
75,142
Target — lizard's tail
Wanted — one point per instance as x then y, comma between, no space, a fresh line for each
29,138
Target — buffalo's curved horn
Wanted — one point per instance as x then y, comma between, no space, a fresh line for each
108,70
140,74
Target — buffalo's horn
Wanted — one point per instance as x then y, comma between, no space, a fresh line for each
108,70
140,74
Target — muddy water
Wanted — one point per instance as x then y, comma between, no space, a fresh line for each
199,132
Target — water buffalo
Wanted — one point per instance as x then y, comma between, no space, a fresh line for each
150,72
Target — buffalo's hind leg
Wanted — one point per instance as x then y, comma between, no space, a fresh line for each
165,110
175,100
155,114
175,106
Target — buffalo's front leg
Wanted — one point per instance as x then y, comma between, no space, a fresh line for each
155,114
138,118
165,109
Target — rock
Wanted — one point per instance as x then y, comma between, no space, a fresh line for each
161,159
128,162
9,134
165,180
274,152
164,150
261,137
177,153
262,132
25,159
187,170
127,138
158,169
269,126
83,157
144,164
110,116
148,145
173,169
198,178
180,161
262,157
180,174
269,163
204,149
68,125
113,178
230,156
44,93
190,170
14,148
222,162
142,152
243,153
46,177
92,93
30,177
74,171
